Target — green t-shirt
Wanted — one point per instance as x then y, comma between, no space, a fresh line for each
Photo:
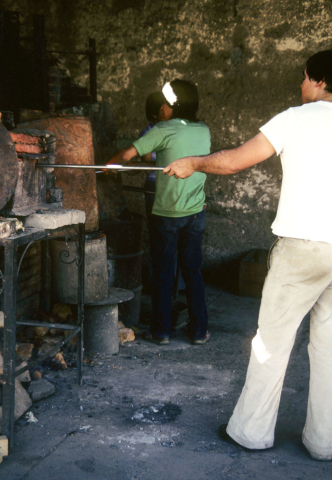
171,140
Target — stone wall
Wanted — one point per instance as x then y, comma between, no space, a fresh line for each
246,58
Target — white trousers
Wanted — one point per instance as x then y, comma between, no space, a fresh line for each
299,281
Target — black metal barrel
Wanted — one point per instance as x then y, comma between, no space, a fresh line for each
124,238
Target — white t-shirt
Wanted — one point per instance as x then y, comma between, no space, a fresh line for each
303,138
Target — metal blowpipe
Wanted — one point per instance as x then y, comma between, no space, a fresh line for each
98,167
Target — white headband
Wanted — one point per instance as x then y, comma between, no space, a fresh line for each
169,94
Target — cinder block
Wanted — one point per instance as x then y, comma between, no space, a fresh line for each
3,446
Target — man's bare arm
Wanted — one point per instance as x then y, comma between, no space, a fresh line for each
224,162
144,161
146,158
124,155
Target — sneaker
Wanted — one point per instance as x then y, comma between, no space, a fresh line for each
157,341
203,340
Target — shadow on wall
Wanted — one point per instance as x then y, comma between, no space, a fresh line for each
224,275
244,275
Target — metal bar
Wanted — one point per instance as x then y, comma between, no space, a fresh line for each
129,188
22,256
30,234
8,406
80,300
33,323
93,69
49,353
105,167
35,156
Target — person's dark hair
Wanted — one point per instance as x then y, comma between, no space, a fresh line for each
319,67
186,105
153,103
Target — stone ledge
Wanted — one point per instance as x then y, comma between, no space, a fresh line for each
53,219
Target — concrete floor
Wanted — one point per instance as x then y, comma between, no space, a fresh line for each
153,412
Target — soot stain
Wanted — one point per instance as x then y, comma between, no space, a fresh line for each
157,414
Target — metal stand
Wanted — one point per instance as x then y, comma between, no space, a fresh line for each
9,279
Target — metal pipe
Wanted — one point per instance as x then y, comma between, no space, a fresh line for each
129,188
103,167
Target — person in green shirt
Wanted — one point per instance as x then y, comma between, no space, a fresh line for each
178,216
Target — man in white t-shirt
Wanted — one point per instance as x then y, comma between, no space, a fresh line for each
300,277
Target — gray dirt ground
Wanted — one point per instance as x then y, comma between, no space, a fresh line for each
152,412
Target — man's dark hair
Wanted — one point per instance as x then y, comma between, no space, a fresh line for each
187,100
153,103
319,67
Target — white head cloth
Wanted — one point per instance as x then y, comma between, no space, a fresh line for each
169,94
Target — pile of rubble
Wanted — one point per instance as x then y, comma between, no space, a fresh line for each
34,343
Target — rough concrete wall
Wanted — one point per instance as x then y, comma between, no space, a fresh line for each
246,57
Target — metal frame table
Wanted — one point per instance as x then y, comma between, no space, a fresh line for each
9,279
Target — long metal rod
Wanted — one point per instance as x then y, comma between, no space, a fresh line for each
130,188
33,323
9,307
104,167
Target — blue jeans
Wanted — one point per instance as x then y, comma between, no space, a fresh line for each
185,235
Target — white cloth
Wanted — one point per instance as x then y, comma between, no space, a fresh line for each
303,138
300,280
